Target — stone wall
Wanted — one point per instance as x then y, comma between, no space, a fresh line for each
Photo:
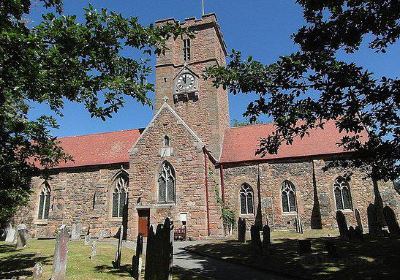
78,195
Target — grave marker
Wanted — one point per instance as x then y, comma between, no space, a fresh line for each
342,225
22,236
60,254
137,259
391,221
358,219
117,262
93,253
37,271
242,230
266,238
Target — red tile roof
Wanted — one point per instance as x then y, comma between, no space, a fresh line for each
241,143
101,148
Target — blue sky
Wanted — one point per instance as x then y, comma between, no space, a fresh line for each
260,28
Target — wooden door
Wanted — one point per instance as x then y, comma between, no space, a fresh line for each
144,222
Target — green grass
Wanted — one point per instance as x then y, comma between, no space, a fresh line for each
372,259
20,262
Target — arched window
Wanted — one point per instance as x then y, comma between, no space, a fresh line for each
246,199
44,202
166,183
288,197
341,189
166,141
119,196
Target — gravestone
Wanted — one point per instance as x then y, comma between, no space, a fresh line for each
391,221
76,231
60,254
93,253
332,250
255,237
359,234
22,236
242,230
342,225
266,238
352,234
159,252
137,259
373,224
37,271
87,240
299,225
11,235
304,246
102,234
117,262
358,219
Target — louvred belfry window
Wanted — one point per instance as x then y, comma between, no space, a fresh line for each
44,202
246,199
341,190
119,196
288,197
166,183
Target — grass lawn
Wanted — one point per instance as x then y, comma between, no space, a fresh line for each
17,263
372,259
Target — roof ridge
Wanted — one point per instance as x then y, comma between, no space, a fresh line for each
58,138
252,125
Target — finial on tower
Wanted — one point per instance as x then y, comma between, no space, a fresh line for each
165,99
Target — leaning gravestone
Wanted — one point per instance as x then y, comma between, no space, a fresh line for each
37,271
342,225
22,236
94,250
76,231
159,252
266,238
137,259
60,254
391,221
255,237
11,235
117,262
358,234
373,224
242,230
358,219
304,246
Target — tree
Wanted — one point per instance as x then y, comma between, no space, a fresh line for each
57,60
304,90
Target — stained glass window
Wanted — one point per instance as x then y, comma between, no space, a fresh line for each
166,183
119,198
342,194
246,199
44,202
288,197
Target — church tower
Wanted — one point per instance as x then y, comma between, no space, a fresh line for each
179,77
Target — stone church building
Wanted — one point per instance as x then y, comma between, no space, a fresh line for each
187,160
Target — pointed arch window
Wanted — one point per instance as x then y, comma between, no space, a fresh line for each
166,141
166,183
341,190
246,199
288,197
44,202
119,196
186,49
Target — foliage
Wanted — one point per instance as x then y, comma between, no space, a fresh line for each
304,90
59,60
228,215
237,123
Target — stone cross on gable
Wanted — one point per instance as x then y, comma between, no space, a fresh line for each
165,99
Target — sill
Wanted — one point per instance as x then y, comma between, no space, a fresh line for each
246,215
115,219
41,222
289,213
346,210
165,205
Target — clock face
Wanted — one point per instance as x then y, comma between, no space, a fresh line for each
185,82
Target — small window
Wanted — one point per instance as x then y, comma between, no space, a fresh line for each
186,49
166,141
44,202
119,196
246,199
288,197
166,183
341,190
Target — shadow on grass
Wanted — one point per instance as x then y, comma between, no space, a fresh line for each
371,259
122,271
19,264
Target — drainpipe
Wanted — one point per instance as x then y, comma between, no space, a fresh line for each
221,173
206,183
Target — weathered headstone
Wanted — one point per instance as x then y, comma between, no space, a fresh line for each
159,252
358,219
22,236
117,262
304,246
60,254
37,271
373,225
332,250
255,237
76,231
11,235
391,221
242,230
299,225
359,234
352,234
101,234
266,238
137,259
87,240
93,253
342,225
